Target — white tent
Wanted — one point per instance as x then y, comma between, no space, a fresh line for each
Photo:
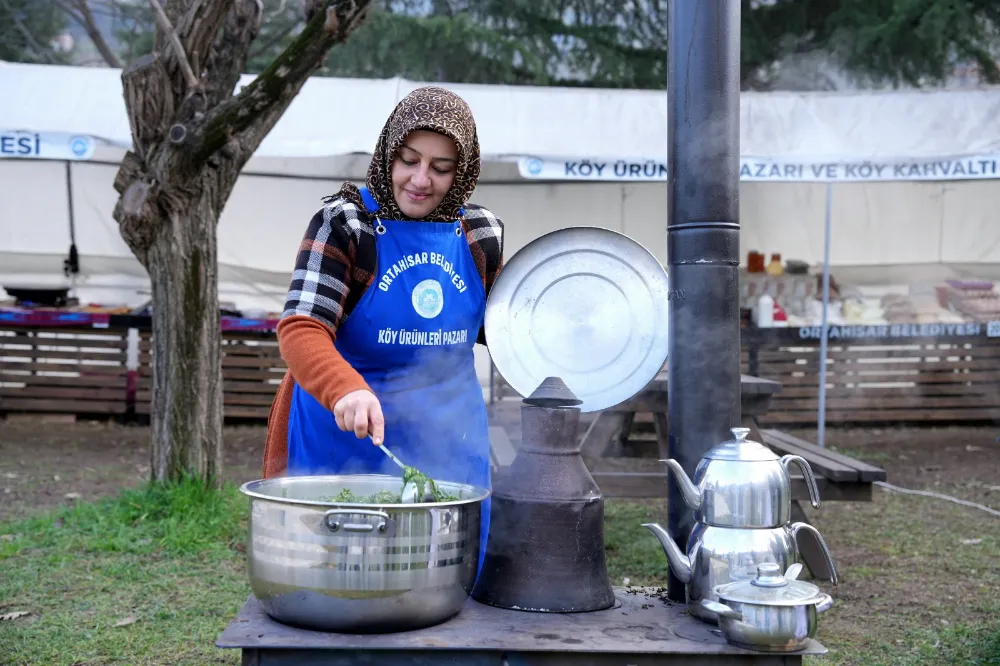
549,153
333,116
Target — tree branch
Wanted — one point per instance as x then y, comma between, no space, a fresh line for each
136,208
175,42
148,101
274,41
85,18
199,26
261,103
228,55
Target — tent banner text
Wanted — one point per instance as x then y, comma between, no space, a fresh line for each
754,169
45,145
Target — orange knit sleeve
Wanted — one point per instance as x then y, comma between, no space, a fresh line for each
307,348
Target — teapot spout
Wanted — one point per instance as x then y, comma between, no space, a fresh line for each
690,492
680,564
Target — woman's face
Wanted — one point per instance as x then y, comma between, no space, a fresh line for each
423,172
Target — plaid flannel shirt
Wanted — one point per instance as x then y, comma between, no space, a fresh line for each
336,261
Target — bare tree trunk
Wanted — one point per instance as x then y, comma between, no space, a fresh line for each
191,138
187,371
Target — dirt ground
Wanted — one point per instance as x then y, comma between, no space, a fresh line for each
902,557
928,459
42,462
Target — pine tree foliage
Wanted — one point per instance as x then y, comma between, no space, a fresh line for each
27,31
594,43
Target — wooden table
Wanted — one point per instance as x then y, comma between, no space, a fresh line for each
617,431
641,629
609,432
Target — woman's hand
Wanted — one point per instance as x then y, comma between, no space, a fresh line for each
361,412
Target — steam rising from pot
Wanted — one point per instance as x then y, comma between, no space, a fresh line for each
444,431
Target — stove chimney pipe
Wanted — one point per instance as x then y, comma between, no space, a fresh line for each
703,239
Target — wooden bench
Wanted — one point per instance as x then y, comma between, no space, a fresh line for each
829,464
609,434
843,479
839,478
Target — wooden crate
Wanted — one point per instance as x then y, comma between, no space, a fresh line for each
926,381
252,369
60,370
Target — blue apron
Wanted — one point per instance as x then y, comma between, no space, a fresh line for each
411,337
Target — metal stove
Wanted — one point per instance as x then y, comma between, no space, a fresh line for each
641,628
543,596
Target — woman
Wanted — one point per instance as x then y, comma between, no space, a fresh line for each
386,302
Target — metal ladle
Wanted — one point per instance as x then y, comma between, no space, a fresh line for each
406,498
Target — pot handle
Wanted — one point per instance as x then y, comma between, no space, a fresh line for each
807,474
824,604
797,527
722,610
384,527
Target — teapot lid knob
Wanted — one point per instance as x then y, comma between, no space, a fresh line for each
769,575
740,433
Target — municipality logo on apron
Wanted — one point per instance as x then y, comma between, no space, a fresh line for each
428,299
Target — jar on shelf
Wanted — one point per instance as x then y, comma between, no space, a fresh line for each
774,267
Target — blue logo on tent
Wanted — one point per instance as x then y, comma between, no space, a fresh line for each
535,167
79,145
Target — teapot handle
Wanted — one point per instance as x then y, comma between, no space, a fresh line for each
807,474
795,528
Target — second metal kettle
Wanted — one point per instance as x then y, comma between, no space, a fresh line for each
719,555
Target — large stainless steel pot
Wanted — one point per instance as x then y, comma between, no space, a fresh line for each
360,568
771,613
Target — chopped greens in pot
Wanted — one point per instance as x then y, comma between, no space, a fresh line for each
420,481
347,496
410,475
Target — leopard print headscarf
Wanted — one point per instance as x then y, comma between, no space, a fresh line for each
429,108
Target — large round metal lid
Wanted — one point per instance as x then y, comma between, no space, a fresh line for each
585,304
769,587
741,449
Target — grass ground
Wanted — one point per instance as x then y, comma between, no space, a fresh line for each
152,576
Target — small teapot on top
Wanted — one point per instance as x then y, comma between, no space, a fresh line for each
742,483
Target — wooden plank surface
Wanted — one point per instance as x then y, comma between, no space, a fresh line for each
598,436
63,371
252,370
913,381
645,485
820,457
929,381
898,418
749,385
649,478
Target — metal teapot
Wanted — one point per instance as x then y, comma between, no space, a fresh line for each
742,483
719,555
